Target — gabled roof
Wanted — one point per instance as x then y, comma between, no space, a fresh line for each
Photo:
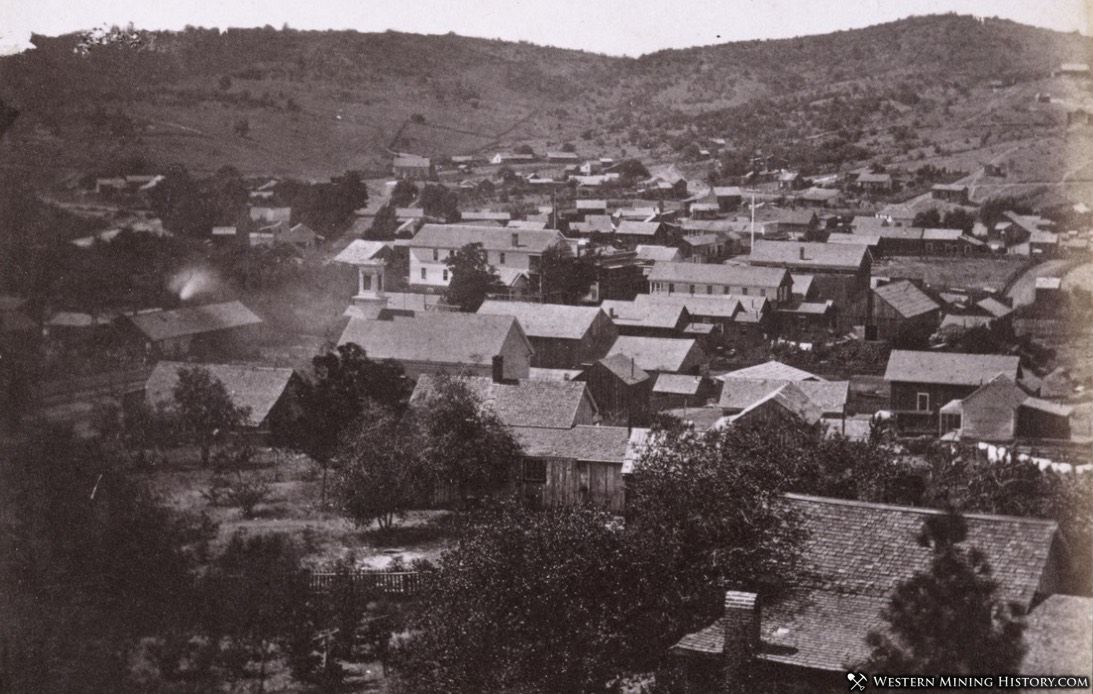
787,397
491,238
587,204
658,253
546,320
1059,636
772,369
941,234
802,283
907,299
949,368
361,252
712,306
436,337
193,320
707,273
485,215
635,228
411,161
257,388
656,353
967,322
727,192
526,225
994,307
868,549
625,368
664,315
853,557
598,444
527,403
845,256
739,394
875,178
677,384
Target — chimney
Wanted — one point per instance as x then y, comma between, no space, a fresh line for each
498,369
741,633
611,311
801,249
515,240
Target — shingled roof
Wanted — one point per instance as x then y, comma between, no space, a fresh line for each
853,557
788,397
193,320
738,394
362,252
708,273
772,369
908,366
531,403
625,368
491,238
658,353
906,299
588,443
546,320
433,336
257,388
839,256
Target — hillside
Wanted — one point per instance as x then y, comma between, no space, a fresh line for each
318,103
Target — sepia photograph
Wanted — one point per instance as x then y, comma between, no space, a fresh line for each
566,347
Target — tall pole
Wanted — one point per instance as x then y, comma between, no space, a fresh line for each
752,220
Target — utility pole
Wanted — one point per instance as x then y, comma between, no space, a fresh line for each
753,220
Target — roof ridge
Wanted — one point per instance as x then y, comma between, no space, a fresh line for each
924,510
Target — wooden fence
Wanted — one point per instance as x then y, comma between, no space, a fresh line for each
389,582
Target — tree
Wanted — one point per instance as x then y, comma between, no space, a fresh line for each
404,193
707,504
341,386
91,563
564,278
253,595
182,204
206,411
631,170
948,619
528,602
473,278
438,201
466,447
930,219
380,473
524,149
241,127
959,218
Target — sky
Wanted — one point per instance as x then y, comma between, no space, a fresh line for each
615,27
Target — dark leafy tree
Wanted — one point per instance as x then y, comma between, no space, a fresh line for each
384,225
631,170
91,564
343,384
959,218
404,193
206,412
473,278
380,474
467,449
708,505
181,203
930,219
948,619
564,278
520,585
438,201
254,595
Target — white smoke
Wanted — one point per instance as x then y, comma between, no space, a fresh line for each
191,282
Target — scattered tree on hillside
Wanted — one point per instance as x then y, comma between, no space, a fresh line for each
181,203
342,386
205,409
242,127
404,193
524,149
948,619
631,171
564,278
930,219
472,278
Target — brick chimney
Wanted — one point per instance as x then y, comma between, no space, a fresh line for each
802,251
741,625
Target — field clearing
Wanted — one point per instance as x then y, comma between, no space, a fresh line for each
980,272
293,508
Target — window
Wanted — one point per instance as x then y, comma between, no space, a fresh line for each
671,287
501,258
762,292
423,276
534,470
436,254
922,402
515,240
692,289
709,289
445,275
744,291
